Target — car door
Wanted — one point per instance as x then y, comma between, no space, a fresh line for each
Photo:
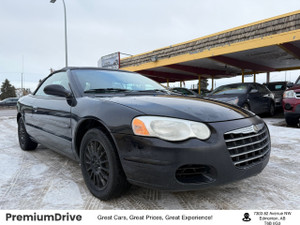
253,98
266,98
51,116
258,101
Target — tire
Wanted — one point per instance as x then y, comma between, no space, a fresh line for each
292,122
25,142
272,110
100,166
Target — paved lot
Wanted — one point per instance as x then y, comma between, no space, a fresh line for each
7,111
43,179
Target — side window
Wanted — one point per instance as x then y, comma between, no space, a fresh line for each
57,78
253,89
262,89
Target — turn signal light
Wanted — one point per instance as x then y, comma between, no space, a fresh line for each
139,127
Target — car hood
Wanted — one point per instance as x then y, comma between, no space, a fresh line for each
196,109
296,87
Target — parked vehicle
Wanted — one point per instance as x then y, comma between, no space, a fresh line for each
9,102
125,129
184,91
203,92
251,96
277,88
291,104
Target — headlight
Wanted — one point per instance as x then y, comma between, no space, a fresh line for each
233,101
289,94
169,129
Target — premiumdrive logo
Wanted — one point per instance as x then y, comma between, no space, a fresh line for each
42,217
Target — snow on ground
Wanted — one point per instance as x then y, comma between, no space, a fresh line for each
43,179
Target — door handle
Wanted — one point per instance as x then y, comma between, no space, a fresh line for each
35,109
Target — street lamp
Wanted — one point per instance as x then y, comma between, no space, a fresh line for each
66,43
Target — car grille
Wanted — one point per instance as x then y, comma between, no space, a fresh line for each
298,94
248,146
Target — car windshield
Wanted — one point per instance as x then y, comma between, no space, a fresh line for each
230,89
276,87
103,81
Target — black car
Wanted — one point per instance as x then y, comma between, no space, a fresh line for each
251,96
184,91
9,102
125,129
277,88
203,92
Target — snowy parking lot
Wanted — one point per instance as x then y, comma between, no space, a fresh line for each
43,179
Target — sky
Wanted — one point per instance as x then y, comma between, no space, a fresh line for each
32,31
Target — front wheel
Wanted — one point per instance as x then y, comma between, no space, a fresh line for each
25,141
292,122
100,166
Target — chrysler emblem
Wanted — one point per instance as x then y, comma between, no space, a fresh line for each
255,128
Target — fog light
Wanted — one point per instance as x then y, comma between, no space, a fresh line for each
288,106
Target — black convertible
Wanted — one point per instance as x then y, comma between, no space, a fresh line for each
126,129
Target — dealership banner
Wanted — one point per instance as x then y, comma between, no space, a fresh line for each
132,217
111,61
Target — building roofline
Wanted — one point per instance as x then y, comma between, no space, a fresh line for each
219,33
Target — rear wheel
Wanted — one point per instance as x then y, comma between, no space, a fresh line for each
100,166
272,109
25,142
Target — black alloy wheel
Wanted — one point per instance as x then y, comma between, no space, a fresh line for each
97,164
25,141
100,166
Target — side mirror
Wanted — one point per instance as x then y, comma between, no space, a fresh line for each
57,90
290,84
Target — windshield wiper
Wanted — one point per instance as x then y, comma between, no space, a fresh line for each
127,91
147,92
106,90
152,90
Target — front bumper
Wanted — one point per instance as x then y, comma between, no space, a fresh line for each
188,165
291,105
291,108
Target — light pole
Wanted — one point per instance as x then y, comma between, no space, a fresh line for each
66,42
22,74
